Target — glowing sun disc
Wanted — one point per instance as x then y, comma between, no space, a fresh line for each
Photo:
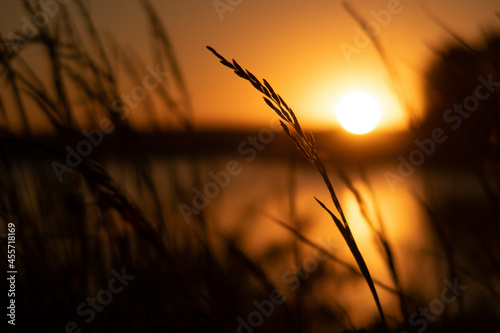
358,112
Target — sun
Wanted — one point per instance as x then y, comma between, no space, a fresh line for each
358,112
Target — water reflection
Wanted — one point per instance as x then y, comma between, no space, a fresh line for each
240,211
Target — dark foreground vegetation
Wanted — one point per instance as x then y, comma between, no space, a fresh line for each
102,244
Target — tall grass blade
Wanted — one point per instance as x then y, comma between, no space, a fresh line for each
307,147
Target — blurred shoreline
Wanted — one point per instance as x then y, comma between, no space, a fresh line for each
376,146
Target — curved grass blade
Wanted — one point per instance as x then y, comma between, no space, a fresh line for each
307,147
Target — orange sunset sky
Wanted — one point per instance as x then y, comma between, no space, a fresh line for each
296,46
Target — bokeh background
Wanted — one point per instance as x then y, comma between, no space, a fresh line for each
189,183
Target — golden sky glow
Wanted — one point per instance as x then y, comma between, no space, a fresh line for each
298,46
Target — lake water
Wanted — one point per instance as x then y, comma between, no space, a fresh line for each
243,198
241,208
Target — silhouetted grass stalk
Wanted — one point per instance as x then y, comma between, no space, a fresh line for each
307,146
330,256
379,234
